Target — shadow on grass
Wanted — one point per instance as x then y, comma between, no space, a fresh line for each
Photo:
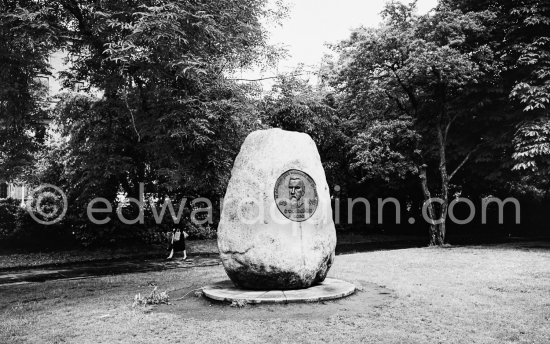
104,268
349,248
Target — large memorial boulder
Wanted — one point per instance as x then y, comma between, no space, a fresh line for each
276,229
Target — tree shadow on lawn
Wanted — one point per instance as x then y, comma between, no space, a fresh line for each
367,298
360,247
100,269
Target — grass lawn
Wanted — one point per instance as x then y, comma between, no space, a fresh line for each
497,294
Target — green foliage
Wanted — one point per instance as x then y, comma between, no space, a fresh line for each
8,218
24,53
531,157
406,86
415,90
294,104
529,51
532,145
386,150
19,229
528,48
463,90
200,232
519,37
159,108
167,116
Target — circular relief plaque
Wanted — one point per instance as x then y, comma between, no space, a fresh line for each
296,195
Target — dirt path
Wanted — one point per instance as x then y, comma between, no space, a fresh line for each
104,268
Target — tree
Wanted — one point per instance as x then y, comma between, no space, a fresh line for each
295,104
521,43
24,49
408,85
161,108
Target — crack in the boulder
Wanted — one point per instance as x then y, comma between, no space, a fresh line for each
233,253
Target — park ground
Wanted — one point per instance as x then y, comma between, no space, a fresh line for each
13,259
472,294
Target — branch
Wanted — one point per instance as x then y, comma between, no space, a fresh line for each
271,77
407,90
448,127
125,98
254,80
73,8
468,156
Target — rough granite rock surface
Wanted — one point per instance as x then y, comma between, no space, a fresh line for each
261,248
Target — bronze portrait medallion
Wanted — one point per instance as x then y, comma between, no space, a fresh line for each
296,195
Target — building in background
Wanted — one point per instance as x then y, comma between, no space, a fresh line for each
14,191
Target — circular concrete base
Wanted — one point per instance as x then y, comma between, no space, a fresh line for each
330,289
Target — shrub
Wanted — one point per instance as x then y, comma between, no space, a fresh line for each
9,209
19,229
200,232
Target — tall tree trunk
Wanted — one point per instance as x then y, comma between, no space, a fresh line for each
442,230
437,229
437,214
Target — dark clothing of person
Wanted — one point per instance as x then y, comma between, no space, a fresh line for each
177,246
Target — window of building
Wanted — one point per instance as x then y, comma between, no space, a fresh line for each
3,190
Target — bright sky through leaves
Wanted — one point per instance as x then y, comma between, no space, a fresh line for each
311,24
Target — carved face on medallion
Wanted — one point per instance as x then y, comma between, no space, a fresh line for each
296,188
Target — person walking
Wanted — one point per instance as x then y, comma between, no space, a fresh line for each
177,243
